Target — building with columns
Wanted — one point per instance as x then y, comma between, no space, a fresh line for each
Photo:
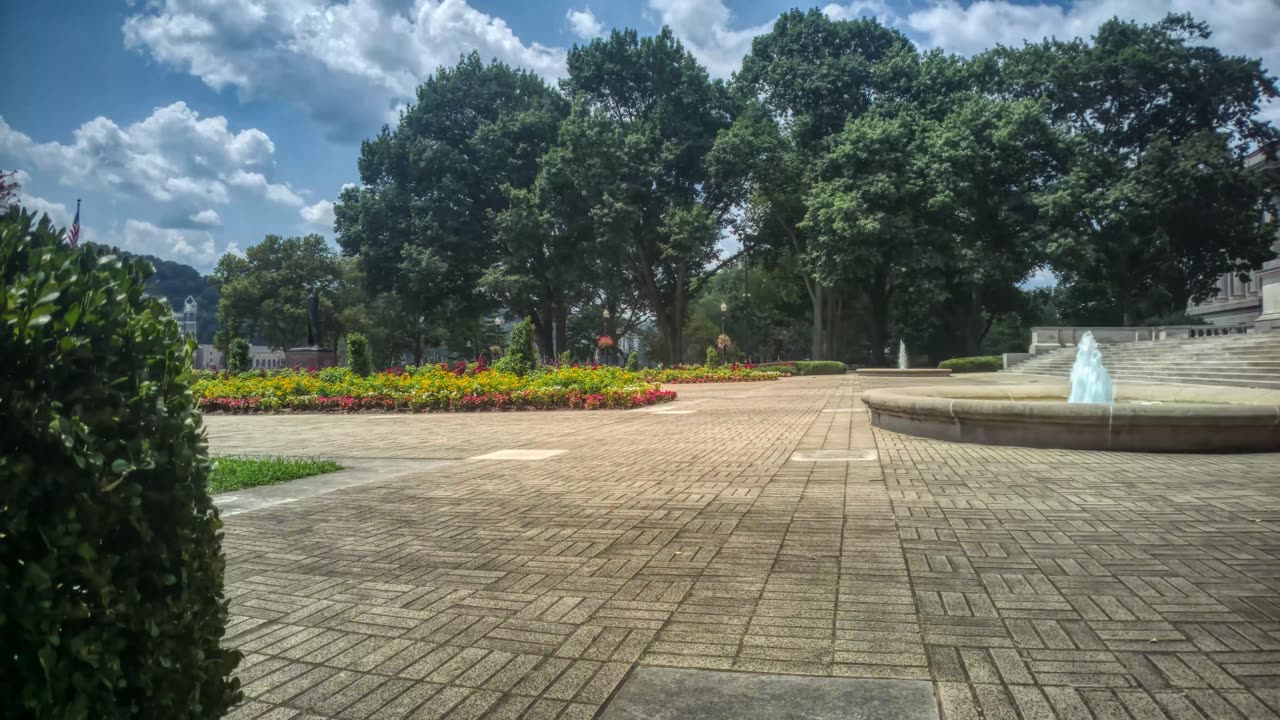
1256,300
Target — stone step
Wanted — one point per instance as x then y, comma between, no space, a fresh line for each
1259,365
1108,360
1266,384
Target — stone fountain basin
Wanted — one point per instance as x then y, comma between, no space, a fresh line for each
904,372
1180,419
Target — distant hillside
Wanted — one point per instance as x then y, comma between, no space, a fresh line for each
175,281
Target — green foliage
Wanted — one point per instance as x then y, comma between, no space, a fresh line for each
358,357
111,567
1156,201
238,359
238,473
633,361
819,367
645,116
265,293
713,357
566,358
521,355
982,363
426,222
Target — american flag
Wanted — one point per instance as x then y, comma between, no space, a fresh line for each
73,237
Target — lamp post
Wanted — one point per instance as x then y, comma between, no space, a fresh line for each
724,308
606,315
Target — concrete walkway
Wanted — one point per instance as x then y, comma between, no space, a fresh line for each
765,528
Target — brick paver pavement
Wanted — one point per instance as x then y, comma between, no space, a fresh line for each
1023,583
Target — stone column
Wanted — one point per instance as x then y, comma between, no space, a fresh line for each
1269,289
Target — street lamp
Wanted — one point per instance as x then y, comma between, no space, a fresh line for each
724,308
606,315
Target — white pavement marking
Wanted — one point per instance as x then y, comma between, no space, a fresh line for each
517,454
834,455
845,410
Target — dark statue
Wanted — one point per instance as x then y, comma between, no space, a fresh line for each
313,320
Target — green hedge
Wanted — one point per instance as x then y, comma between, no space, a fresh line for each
111,566
982,363
819,367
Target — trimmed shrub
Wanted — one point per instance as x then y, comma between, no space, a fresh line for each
819,367
982,363
713,358
521,356
238,356
633,361
358,358
111,566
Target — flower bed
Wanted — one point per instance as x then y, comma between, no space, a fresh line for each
710,374
433,388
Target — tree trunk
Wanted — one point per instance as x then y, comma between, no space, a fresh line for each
542,327
562,330
879,331
818,325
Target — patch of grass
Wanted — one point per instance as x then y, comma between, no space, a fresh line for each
238,473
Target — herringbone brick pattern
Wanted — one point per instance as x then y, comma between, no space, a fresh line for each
1025,583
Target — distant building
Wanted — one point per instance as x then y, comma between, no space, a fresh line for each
261,357
186,318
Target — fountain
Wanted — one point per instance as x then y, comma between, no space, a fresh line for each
904,368
1090,381
1091,413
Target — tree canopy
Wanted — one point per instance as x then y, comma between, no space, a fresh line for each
896,193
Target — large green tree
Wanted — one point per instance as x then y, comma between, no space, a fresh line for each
265,293
1157,201
801,83
635,146
423,221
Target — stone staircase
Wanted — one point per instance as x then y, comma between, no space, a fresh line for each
1236,360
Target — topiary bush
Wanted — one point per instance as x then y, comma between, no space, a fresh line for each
982,363
713,358
358,358
819,367
521,356
111,566
238,356
633,361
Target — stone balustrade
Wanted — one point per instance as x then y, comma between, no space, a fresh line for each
1044,339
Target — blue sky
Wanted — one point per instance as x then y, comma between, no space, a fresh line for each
191,128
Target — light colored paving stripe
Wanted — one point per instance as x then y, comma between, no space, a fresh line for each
518,454
834,456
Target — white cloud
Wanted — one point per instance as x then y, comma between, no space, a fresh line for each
206,217
703,27
1240,27
194,247
56,211
274,192
584,23
171,156
878,9
347,63
320,214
